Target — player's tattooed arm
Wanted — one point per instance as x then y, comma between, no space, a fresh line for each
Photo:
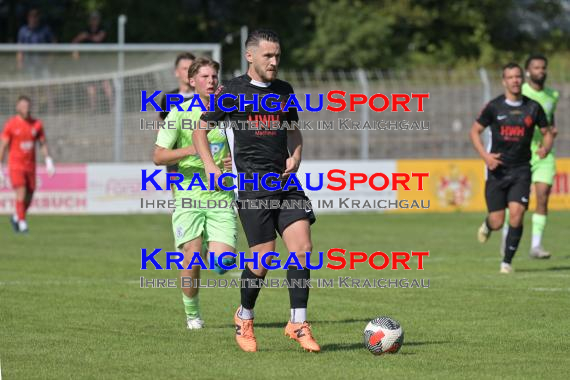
295,146
492,160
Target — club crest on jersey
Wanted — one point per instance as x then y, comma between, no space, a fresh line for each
528,121
216,148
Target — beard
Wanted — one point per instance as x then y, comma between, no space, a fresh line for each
538,80
264,74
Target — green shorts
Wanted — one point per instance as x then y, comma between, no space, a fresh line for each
544,170
213,225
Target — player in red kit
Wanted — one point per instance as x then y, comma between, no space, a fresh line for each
20,135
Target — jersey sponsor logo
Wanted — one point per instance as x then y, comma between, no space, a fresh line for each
26,145
512,132
264,125
264,120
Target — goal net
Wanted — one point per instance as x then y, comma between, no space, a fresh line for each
88,96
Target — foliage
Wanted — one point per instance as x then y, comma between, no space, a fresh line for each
322,35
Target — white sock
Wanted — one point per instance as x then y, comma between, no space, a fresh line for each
22,225
536,240
245,313
299,315
505,231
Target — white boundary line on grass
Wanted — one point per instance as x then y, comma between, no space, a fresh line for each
550,289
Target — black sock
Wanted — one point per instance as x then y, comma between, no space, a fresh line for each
249,293
487,224
298,294
512,242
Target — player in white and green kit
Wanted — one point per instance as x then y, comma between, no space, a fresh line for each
193,226
543,170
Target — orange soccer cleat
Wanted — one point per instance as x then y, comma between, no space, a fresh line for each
245,337
301,332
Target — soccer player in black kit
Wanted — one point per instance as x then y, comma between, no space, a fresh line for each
262,151
511,118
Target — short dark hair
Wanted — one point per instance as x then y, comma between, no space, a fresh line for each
532,57
511,65
182,56
201,62
24,97
258,35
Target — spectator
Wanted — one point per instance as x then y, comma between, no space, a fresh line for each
94,33
34,32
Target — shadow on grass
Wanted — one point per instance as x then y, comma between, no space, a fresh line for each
551,269
283,323
360,346
342,347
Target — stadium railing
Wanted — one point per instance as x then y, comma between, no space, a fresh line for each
110,132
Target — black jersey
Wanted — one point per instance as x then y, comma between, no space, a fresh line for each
256,148
164,114
512,127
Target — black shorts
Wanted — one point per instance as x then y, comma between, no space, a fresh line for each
507,185
261,217
172,168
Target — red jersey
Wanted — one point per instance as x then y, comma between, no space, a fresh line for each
22,135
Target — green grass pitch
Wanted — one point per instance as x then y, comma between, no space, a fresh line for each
71,305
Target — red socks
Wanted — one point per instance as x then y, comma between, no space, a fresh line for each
21,210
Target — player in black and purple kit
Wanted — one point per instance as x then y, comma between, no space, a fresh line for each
511,118
261,151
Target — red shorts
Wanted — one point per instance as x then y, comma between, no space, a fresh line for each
23,178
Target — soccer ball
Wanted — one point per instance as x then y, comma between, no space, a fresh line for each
383,335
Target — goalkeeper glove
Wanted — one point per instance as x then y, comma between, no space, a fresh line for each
50,166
